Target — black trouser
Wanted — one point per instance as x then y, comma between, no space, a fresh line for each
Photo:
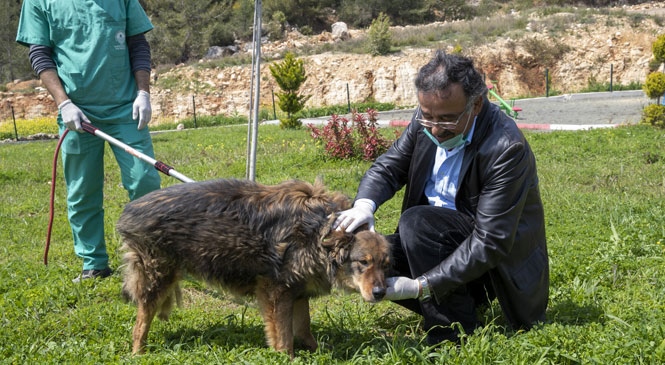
427,235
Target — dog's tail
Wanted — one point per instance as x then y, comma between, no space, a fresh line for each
146,284
134,279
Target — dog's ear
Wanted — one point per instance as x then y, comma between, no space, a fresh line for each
337,243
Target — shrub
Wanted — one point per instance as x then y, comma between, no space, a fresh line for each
221,34
24,128
306,30
290,75
276,26
344,142
654,114
658,48
654,86
544,52
379,35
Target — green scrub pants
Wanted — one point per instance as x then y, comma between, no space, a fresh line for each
83,165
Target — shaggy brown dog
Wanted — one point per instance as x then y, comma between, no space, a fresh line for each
273,242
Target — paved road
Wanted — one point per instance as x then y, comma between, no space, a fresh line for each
570,111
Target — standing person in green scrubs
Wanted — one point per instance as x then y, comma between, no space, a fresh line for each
93,58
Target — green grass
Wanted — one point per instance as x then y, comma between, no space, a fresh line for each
604,196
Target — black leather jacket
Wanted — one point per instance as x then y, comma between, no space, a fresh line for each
499,190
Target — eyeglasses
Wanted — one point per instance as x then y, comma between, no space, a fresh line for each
445,123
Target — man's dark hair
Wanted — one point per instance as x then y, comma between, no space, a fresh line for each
446,69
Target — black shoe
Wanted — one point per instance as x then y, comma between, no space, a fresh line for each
91,274
439,335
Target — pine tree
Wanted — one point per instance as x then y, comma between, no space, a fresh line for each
379,35
290,75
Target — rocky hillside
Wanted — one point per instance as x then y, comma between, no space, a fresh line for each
592,51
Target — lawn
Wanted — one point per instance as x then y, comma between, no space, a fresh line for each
604,196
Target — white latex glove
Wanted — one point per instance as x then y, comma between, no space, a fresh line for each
361,213
401,287
141,109
72,116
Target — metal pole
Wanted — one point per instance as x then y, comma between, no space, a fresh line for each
14,119
547,82
251,175
348,97
274,111
251,101
194,107
611,75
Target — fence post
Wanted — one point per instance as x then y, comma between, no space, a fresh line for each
611,75
348,97
14,119
274,111
194,107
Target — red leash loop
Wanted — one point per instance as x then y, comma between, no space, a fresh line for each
52,202
87,127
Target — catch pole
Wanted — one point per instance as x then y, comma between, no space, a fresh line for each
160,166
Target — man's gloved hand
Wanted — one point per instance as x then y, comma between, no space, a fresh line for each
72,116
401,287
141,109
361,213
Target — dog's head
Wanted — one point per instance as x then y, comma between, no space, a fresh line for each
360,262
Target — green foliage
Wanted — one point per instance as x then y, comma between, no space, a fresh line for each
184,30
313,13
306,30
343,109
654,86
360,13
220,34
654,114
200,122
276,25
379,35
290,75
658,48
593,85
14,63
25,128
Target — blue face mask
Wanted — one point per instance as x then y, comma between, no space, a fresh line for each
451,143
448,144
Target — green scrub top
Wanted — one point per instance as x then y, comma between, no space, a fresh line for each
88,39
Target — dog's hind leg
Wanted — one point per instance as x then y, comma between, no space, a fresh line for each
173,297
144,317
302,324
276,305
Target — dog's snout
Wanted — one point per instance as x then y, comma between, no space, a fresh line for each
378,292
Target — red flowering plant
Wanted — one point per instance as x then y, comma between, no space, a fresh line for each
360,140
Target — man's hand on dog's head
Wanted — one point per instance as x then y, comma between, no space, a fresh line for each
361,213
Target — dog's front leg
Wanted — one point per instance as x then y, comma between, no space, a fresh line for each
301,324
276,305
